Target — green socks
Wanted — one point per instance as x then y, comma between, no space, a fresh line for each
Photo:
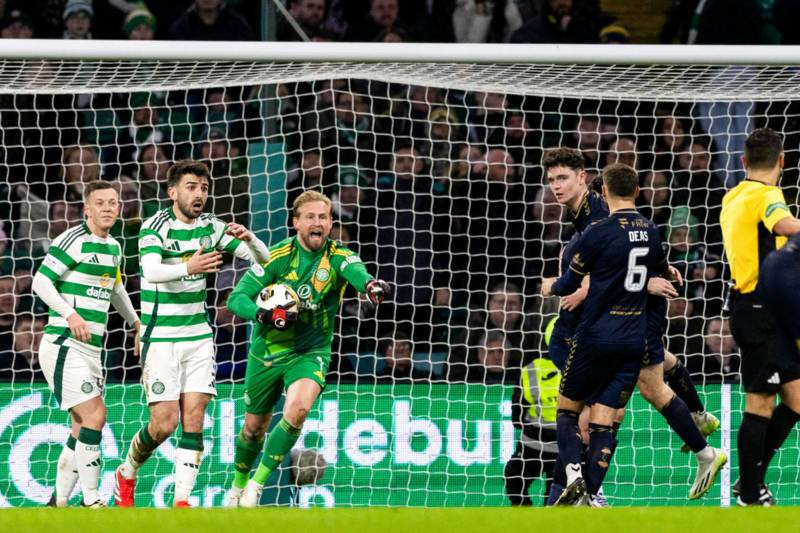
280,441
246,453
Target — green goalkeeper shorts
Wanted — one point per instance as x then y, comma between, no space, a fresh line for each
265,381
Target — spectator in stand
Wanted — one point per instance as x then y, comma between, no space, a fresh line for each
352,136
81,164
309,175
392,35
405,240
230,185
654,198
409,119
397,359
78,19
63,215
545,229
351,206
498,220
230,341
448,322
588,139
16,25
481,21
145,126
684,328
672,138
522,142
140,24
309,14
20,363
153,164
8,308
558,23
623,150
382,14
720,360
486,118
126,229
445,134
695,184
503,313
211,20
492,360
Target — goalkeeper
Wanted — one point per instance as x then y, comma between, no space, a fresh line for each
291,344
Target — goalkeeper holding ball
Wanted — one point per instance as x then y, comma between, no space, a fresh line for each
294,300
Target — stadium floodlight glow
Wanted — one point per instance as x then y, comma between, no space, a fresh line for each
70,109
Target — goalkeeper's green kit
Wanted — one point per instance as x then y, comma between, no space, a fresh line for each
278,358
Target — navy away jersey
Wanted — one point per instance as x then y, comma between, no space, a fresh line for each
619,252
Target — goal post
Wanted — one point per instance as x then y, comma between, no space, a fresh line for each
431,154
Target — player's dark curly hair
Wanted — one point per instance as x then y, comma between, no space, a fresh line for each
186,166
620,180
563,157
763,148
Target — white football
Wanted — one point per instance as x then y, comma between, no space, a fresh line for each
275,295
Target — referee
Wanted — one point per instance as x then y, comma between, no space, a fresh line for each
755,221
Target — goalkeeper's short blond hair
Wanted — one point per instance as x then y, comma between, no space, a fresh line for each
307,197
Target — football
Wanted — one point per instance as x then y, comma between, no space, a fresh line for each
277,295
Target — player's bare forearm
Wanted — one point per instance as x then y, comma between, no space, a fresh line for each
241,301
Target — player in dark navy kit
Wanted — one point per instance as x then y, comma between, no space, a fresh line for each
620,252
566,178
779,289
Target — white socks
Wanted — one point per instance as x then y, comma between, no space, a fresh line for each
187,465
66,476
87,457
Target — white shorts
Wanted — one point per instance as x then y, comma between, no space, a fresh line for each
172,368
74,376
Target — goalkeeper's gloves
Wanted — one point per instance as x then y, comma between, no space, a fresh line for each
377,290
279,317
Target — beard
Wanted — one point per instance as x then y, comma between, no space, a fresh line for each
188,209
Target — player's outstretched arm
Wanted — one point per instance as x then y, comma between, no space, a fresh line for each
353,270
244,244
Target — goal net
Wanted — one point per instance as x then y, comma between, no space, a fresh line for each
433,166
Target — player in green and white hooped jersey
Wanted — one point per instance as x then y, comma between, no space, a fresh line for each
178,247
286,354
78,280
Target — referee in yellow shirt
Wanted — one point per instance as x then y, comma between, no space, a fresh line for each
755,221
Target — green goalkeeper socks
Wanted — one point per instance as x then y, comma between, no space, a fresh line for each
246,453
280,441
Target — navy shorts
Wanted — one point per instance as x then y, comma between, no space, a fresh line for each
558,349
656,322
601,373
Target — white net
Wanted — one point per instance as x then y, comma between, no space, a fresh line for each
435,174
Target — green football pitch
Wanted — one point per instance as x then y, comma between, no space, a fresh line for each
413,520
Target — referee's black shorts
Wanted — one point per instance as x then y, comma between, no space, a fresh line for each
767,361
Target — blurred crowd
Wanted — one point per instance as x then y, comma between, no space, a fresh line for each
440,191
462,21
